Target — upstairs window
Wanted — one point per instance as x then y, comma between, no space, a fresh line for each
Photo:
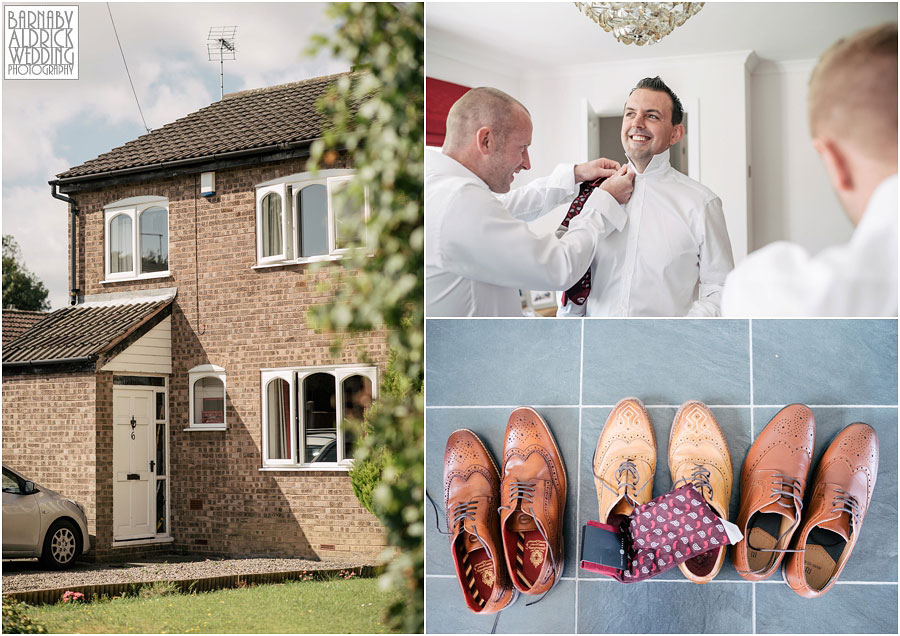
300,218
308,415
137,238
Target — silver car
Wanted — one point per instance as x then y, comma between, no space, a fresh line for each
38,522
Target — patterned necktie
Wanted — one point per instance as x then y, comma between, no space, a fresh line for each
579,292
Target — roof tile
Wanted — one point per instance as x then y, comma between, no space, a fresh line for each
240,121
78,332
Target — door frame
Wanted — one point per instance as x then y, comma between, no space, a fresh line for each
163,537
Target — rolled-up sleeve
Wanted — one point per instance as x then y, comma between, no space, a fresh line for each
482,241
538,197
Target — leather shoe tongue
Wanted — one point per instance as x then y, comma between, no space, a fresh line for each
841,525
777,508
521,522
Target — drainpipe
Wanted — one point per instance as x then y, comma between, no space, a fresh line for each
73,292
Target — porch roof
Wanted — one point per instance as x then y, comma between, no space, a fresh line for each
84,333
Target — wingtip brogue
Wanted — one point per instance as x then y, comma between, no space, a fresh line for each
698,455
773,481
533,499
624,461
842,491
471,498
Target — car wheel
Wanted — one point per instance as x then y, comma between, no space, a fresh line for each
62,545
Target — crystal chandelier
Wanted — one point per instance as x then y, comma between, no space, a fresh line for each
639,22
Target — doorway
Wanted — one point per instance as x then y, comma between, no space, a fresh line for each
140,458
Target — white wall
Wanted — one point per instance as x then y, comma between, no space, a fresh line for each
792,199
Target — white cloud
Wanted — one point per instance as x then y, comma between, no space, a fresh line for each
39,224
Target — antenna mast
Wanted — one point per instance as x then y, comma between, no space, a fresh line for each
220,46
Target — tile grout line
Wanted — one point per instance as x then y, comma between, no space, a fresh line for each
661,406
578,473
597,579
750,345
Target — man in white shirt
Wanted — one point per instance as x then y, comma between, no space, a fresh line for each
853,122
479,250
673,255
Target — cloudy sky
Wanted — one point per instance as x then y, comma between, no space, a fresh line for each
51,125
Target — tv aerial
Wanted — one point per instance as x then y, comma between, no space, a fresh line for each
220,44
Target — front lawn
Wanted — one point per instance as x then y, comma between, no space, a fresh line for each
336,607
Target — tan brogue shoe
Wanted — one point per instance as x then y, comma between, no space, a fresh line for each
698,455
842,490
471,497
624,461
773,481
533,501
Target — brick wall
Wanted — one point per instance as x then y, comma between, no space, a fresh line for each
48,434
227,313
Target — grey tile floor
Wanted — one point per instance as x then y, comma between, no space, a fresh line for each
574,371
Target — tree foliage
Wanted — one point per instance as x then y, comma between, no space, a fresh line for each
21,288
376,117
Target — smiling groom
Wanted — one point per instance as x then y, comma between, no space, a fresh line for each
673,255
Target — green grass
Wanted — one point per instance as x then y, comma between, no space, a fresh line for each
338,606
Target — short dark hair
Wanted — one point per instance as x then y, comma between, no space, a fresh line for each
656,84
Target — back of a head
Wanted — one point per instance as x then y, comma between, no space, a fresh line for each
853,93
480,107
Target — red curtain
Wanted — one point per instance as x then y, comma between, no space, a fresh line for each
439,97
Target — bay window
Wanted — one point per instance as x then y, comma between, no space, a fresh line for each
308,414
302,218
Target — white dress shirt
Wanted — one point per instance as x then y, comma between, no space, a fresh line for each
479,250
855,279
672,257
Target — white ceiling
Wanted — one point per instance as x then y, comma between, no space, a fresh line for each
544,35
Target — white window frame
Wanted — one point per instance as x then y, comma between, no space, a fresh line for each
294,376
287,244
267,377
132,208
289,188
198,373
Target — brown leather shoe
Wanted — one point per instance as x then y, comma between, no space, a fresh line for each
842,490
471,497
624,461
773,481
533,501
698,455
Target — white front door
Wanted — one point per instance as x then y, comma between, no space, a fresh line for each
134,478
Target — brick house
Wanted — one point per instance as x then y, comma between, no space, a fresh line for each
182,398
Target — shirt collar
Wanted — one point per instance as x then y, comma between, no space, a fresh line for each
657,166
437,161
884,198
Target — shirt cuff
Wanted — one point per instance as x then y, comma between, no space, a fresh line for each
608,207
563,176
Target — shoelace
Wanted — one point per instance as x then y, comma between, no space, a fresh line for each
523,491
629,469
699,480
789,487
845,502
464,511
